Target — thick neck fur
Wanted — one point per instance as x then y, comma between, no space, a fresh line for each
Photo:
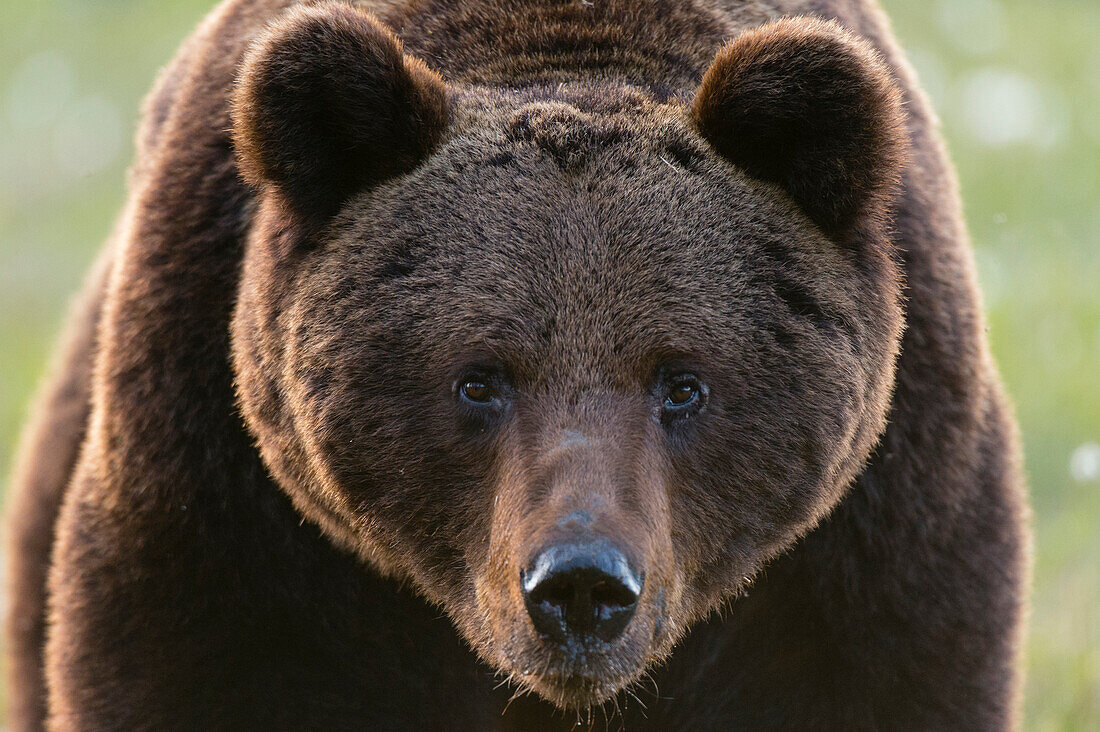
659,44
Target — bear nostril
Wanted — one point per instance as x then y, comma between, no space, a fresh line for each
612,594
555,595
577,592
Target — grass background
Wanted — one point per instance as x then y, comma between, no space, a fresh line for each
1016,83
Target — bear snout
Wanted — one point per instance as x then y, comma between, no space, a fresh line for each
579,593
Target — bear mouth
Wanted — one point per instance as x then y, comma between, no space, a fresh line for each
579,676
582,686
577,692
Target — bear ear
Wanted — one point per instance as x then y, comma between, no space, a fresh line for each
327,103
803,104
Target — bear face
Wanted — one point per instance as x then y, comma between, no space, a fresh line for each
574,361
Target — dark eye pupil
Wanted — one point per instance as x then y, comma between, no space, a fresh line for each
682,393
477,391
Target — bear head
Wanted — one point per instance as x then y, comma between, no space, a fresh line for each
574,361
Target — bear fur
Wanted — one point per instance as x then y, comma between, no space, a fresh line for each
253,495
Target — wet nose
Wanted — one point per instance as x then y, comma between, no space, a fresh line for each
575,592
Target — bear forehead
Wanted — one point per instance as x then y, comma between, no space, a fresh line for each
595,222
575,281
571,198
564,131
574,122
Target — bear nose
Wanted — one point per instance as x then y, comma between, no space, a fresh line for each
575,592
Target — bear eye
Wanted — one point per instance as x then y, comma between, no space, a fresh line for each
477,391
683,392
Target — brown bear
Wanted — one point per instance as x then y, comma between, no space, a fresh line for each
507,364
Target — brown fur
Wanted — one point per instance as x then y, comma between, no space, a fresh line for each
277,471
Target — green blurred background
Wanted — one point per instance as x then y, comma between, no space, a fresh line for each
1016,83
